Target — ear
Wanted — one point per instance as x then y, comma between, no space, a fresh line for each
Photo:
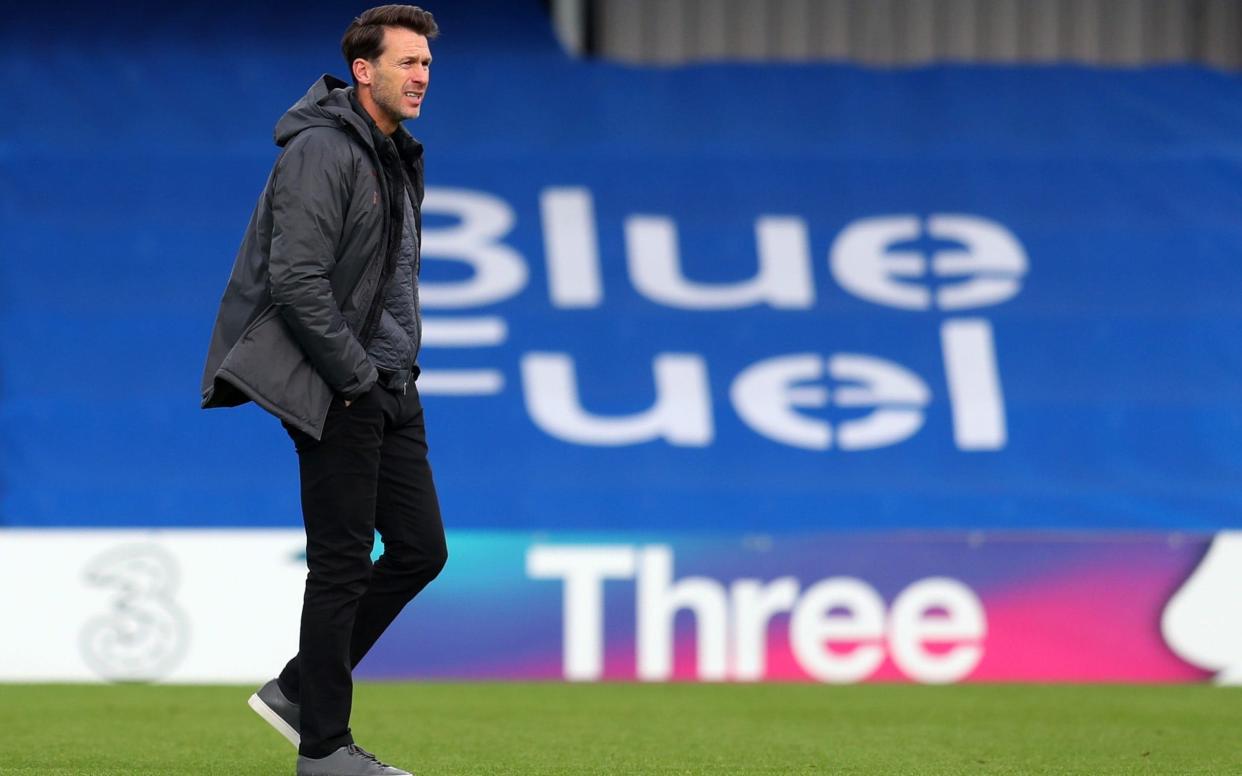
364,72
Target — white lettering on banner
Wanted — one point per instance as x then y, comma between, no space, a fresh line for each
499,271
784,279
937,610
974,384
840,610
988,270
461,382
440,331
877,259
571,247
754,605
584,571
766,394
681,414
838,629
873,382
863,264
659,600
993,262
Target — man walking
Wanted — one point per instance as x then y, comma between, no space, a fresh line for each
320,325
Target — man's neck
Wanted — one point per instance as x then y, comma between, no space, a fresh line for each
382,121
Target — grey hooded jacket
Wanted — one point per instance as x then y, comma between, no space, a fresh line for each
304,296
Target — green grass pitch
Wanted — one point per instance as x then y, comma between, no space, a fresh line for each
476,729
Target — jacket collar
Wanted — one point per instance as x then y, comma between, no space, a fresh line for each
330,102
407,147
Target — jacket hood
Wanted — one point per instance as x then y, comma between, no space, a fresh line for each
330,102
325,104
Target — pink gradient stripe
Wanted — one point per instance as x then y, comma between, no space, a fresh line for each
1089,625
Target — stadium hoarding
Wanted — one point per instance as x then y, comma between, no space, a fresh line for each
1002,299
222,606
140,605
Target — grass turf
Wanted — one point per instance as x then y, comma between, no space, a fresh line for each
479,729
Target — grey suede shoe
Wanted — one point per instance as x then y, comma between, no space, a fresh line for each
278,711
351,760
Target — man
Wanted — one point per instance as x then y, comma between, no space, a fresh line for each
320,325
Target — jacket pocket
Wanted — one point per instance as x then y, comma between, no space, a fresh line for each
269,366
266,315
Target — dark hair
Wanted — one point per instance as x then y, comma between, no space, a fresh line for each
364,39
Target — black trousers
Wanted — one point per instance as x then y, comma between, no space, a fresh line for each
368,473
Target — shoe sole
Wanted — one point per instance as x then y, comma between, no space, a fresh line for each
272,718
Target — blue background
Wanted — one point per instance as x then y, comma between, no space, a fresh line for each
133,149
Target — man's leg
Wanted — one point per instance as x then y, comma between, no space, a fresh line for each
407,517
338,476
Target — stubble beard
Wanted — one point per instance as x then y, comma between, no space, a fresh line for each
390,101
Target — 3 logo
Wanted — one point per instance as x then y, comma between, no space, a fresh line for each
145,634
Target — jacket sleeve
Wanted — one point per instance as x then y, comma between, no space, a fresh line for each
310,196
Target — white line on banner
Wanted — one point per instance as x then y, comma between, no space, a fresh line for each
461,382
464,332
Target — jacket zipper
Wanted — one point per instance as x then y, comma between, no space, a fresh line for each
377,299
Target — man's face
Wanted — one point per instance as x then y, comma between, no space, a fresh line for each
401,74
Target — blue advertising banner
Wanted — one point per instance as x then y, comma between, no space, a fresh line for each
736,298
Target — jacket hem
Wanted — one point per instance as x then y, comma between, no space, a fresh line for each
301,424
